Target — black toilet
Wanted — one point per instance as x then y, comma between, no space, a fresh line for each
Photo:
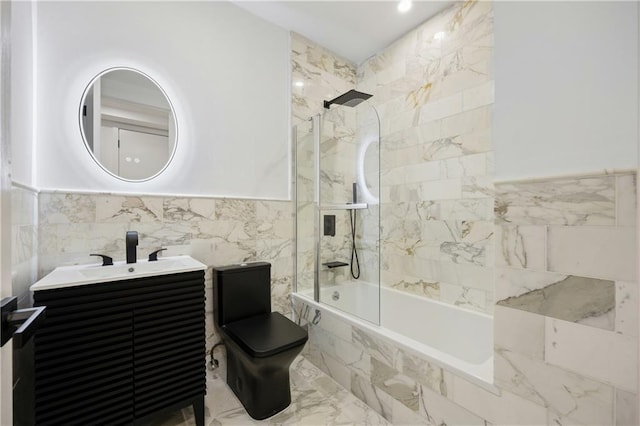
261,345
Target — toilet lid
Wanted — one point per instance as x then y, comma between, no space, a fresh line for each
265,335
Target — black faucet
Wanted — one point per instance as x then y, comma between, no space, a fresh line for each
132,242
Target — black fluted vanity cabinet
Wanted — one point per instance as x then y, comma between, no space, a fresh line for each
120,352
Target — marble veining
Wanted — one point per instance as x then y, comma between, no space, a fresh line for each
444,236
468,209
315,399
398,383
213,231
566,394
516,247
308,52
477,187
417,286
346,353
376,348
435,98
188,209
465,297
462,252
24,243
380,402
521,246
434,61
571,299
399,387
162,234
235,231
323,73
128,209
446,148
626,200
427,374
57,208
570,201
438,410
235,209
626,312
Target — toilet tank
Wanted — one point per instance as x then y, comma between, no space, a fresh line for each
241,291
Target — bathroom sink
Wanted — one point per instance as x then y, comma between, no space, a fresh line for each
69,276
131,269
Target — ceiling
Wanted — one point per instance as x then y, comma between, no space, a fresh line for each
354,30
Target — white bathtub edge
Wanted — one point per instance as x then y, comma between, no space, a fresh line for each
387,335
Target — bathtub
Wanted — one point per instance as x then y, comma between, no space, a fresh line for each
456,339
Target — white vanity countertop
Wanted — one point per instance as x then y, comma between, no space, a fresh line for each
71,276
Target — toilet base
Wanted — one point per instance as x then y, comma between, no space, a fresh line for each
262,395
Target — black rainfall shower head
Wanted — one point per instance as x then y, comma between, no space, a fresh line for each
350,99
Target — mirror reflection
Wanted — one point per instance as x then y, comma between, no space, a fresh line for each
128,124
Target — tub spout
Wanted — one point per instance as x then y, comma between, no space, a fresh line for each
132,242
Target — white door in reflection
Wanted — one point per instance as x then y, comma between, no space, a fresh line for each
133,155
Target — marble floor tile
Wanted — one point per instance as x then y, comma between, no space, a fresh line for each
316,399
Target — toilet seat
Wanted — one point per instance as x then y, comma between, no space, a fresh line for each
266,335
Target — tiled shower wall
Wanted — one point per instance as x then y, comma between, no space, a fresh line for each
320,75
344,132
338,147
565,327
434,91
562,264
323,75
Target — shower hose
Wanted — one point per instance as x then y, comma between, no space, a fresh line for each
355,266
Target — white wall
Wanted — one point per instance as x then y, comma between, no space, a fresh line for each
566,87
22,93
225,71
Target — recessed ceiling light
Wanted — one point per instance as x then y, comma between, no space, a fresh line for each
404,6
439,35
299,83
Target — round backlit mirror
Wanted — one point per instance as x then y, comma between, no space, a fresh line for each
128,124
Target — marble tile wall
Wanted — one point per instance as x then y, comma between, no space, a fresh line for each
319,75
337,173
24,271
407,388
563,249
24,242
433,89
566,290
557,255
215,231
344,132
303,185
